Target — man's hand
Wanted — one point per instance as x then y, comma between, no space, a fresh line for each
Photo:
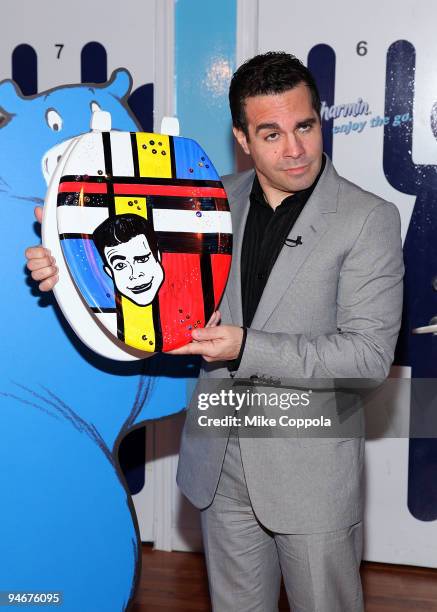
41,263
215,319
216,343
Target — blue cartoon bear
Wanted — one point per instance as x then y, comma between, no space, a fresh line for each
67,522
36,130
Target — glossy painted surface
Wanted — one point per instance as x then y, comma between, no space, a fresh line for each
145,188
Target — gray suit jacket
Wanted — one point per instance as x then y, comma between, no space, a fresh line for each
331,309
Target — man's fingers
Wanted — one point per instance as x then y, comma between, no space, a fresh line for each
208,341
49,283
211,320
214,320
42,266
38,213
183,350
44,273
178,351
194,348
37,252
207,333
42,262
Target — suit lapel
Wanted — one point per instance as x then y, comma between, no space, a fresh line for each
311,225
238,196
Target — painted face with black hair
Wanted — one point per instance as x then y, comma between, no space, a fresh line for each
136,272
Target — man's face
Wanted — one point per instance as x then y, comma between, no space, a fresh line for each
284,141
135,271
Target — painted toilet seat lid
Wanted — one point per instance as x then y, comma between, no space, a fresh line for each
145,231
84,323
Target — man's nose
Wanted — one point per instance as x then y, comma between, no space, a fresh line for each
135,272
293,146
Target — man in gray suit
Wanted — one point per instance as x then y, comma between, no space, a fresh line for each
314,292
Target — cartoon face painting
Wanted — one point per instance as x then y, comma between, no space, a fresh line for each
135,270
129,250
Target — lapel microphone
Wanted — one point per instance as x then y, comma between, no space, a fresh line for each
293,243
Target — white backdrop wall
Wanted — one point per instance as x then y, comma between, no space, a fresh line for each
360,35
296,28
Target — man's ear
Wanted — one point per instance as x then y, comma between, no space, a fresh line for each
241,138
108,271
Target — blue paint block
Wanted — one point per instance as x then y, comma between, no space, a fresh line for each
192,162
93,283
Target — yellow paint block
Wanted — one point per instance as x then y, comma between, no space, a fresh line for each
154,158
138,325
134,205
138,320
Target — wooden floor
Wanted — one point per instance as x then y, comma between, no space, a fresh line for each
176,582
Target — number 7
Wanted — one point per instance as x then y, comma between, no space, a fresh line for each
60,47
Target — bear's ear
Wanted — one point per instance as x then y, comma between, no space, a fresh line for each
120,83
10,96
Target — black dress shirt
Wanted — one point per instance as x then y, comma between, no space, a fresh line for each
265,234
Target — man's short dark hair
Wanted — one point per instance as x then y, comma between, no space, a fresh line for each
269,73
121,228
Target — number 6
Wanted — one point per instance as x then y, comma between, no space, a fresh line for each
362,47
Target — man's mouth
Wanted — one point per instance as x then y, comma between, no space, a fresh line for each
141,288
298,170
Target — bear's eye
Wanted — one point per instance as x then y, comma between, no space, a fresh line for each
94,107
54,120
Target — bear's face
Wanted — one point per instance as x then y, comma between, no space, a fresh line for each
36,130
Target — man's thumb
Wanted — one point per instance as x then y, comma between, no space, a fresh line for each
206,333
38,213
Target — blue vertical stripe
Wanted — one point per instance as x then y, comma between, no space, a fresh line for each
205,43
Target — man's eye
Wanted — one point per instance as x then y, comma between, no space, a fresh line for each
143,259
305,127
119,266
272,136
